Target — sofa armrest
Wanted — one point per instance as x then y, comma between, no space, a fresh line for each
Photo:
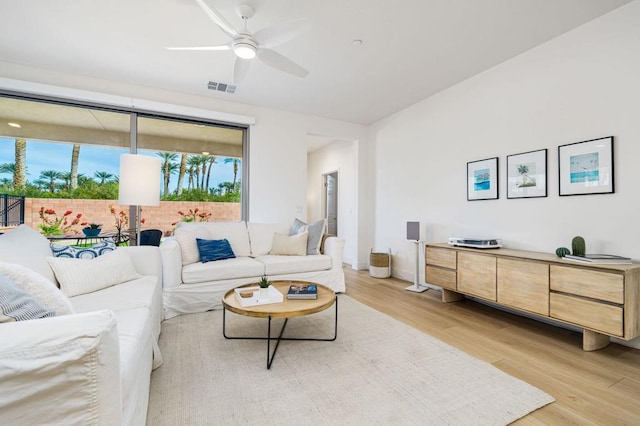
171,263
65,367
334,247
146,260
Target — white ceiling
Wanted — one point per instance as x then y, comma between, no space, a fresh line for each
412,48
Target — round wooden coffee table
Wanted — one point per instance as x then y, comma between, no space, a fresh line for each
286,309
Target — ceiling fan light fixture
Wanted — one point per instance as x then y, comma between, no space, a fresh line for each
245,48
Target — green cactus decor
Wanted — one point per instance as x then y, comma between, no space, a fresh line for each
562,251
578,246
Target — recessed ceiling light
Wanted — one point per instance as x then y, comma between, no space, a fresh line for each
15,125
357,42
205,152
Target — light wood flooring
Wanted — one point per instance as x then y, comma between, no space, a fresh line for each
601,387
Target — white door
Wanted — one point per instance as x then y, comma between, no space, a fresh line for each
331,202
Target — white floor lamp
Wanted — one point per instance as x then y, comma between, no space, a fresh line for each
413,235
139,184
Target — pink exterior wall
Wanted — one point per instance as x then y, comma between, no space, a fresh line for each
97,211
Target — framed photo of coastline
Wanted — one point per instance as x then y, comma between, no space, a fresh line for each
482,179
586,167
527,174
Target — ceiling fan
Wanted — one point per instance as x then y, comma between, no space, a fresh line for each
247,45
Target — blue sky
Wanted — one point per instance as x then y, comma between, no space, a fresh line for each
57,156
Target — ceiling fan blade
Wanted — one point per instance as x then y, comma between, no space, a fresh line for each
282,33
216,47
279,62
240,68
217,18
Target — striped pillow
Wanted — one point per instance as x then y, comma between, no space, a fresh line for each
81,276
18,305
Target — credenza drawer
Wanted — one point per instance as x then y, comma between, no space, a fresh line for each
587,313
594,284
441,257
524,285
445,278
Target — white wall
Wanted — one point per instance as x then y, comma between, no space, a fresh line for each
582,85
278,149
341,157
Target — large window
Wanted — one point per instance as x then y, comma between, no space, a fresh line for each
57,149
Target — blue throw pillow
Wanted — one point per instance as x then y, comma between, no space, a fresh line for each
211,250
98,249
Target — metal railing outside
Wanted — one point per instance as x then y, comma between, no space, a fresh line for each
12,209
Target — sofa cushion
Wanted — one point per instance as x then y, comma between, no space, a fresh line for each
294,245
98,249
281,265
240,267
18,305
212,250
315,230
80,276
261,236
43,290
186,237
27,247
132,294
234,232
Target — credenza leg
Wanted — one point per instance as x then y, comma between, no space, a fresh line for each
592,341
451,296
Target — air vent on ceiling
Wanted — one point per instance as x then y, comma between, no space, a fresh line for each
222,87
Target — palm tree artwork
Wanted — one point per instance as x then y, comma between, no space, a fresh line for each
523,171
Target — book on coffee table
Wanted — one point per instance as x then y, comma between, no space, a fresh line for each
302,292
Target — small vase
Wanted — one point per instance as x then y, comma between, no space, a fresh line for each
264,293
91,232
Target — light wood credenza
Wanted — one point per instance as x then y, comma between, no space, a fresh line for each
603,300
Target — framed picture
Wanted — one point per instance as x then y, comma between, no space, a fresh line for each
586,167
482,179
527,174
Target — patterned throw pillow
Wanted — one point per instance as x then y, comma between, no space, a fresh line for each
98,249
17,305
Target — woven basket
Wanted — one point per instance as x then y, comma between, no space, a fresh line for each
380,264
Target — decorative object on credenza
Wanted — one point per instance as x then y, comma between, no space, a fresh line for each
586,167
562,251
482,179
527,174
578,246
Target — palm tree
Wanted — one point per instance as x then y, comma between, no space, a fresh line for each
20,168
236,162
66,177
103,176
181,173
203,159
7,168
50,176
167,167
75,154
523,169
194,167
212,160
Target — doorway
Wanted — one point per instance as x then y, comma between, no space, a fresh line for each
330,201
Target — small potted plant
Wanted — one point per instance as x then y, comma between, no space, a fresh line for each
92,230
264,284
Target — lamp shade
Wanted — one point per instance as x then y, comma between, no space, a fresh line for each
139,180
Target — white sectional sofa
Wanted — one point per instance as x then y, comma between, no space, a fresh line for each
91,367
191,286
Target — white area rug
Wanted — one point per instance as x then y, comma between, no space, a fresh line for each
378,371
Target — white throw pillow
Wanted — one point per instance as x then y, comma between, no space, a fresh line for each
28,247
261,236
294,245
81,276
40,288
187,240
18,305
315,230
